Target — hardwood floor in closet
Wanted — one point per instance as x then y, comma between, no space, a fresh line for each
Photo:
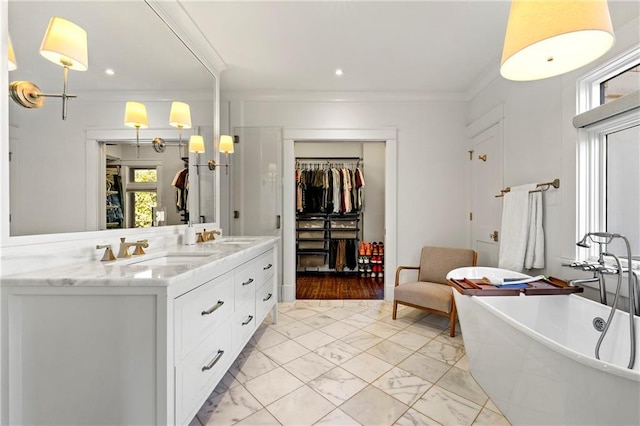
331,286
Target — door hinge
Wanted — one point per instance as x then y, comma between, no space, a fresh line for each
236,214
236,139
470,215
471,155
10,155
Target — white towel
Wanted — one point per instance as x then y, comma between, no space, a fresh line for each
534,257
515,227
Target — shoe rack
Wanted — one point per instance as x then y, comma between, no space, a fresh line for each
371,259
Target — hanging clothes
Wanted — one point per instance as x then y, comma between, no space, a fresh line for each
181,183
330,189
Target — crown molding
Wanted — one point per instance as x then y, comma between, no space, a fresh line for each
179,21
147,96
337,96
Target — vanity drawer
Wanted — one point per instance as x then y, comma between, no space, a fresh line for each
201,370
200,311
245,280
265,265
244,324
265,298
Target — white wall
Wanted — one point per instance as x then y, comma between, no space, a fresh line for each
432,157
540,144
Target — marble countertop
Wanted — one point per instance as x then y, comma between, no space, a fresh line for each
184,262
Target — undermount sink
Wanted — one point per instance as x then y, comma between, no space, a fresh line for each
236,240
172,259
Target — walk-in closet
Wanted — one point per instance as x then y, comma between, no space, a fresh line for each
339,220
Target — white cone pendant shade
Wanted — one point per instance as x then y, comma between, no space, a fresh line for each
12,57
65,44
226,144
547,38
135,115
196,144
180,115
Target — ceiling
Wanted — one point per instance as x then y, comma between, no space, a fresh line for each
426,46
126,36
421,46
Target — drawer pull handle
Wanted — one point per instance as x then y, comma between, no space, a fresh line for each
213,361
267,267
248,282
248,320
213,308
268,297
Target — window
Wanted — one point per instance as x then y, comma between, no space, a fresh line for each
622,84
142,193
609,154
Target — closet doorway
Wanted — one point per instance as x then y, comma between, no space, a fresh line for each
339,220
331,251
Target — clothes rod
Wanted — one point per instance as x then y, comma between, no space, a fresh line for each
543,187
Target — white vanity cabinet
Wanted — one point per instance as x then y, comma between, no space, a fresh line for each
123,351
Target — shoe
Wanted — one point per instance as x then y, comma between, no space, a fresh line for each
381,248
374,250
361,251
368,249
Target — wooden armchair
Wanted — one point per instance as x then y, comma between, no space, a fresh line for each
432,292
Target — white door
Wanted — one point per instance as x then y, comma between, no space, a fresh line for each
257,183
486,183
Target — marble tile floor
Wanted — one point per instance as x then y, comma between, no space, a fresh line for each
346,362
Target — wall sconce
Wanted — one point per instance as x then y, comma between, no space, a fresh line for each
135,115
548,38
196,145
180,117
65,44
226,146
12,57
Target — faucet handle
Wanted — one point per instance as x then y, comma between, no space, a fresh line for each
200,237
139,245
108,253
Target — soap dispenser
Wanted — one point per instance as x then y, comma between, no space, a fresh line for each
190,234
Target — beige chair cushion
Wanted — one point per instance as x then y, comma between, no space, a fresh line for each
426,294
436,262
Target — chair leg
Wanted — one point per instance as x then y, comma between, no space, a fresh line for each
395,309
452,319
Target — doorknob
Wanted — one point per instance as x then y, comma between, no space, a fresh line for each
494,236
482,157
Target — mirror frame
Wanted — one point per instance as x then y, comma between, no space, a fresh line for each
181,24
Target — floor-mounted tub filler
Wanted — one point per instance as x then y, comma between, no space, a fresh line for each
534,356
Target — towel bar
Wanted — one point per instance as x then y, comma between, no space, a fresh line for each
543,187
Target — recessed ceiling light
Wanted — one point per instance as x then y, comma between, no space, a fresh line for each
339,72
109,71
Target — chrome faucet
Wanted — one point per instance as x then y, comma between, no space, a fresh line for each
124,247
604,238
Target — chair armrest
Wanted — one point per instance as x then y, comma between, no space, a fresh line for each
400,268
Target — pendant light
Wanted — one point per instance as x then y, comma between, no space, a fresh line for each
547,38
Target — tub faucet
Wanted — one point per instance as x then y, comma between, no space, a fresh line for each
602,239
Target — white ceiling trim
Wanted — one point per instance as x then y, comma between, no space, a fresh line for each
147,96
331,96
180,22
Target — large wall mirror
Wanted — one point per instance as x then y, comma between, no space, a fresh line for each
90,172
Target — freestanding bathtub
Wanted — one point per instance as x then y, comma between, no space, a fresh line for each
535,357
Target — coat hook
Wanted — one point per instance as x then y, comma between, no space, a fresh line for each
482,157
